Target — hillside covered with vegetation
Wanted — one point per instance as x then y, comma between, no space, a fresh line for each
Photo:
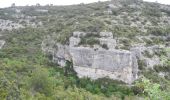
28,73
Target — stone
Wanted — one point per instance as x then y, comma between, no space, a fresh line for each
122,75
162,74
137,51
106,35
96,62
61,55
112,6
111,43
79,34
9,25
115,64
74,41
99,63
2,42
42,10
151,62
109,12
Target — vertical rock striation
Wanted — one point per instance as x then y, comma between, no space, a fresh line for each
98,63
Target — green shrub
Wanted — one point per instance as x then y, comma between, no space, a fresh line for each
40,82
148,54
157,31
141,64
90,41
152,90
160,68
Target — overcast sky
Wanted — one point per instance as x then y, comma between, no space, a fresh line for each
7,3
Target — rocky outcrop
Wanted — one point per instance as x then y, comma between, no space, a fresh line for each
98,63
106,38
114,64
9,25
74,41
147,54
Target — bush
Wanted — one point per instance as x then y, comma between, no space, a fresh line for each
41,82
152,10
152,90
141,64
164,68
90,41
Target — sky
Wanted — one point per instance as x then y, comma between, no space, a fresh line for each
7,3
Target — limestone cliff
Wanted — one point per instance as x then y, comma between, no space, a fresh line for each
98,62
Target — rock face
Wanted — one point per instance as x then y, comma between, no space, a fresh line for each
74,41
152,60
62,55
115,64
111,43
98,63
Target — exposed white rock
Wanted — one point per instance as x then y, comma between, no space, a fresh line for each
2,42
42,10
137,51
109,12
163,74
106,35
9,25
79,34
97,62
124,75
61,55
112,6
73,41
89,62
111,43
151,62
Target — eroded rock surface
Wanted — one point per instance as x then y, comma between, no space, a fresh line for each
96,62
115,64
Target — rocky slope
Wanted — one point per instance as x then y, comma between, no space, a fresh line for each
122,40
97,62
